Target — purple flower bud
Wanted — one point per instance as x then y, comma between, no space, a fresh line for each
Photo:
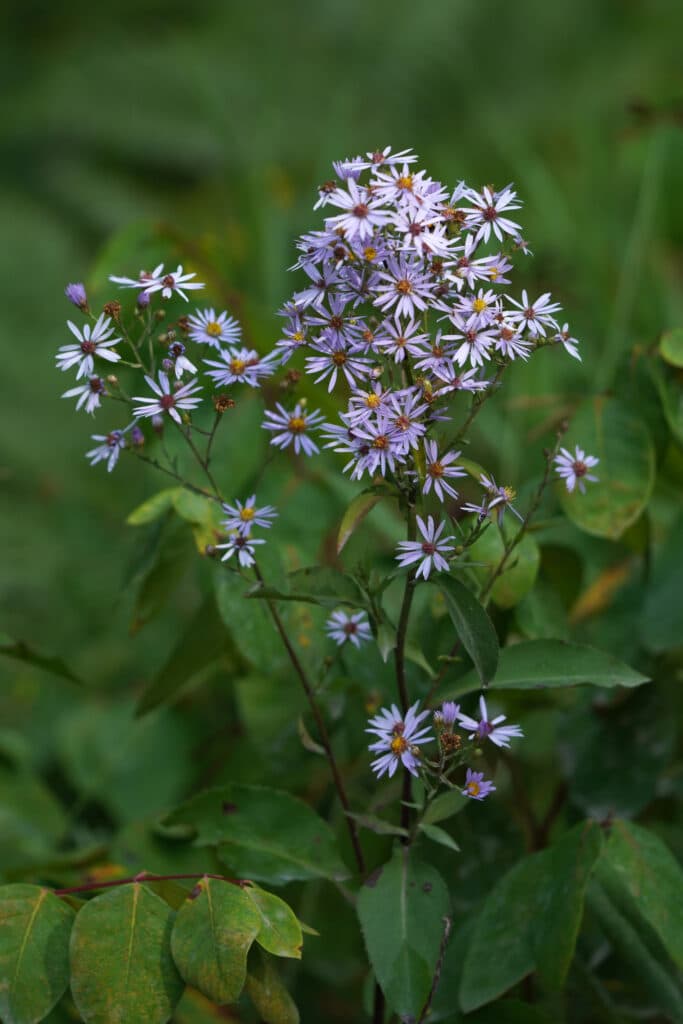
76,293
143,300
167,365
136,436
158,424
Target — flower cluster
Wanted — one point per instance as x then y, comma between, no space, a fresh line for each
239,522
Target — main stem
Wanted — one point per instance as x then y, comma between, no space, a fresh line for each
400,661
322,728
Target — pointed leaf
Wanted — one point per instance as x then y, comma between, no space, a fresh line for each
445,805
34,952
354,516
262,833
121,964
438,835
212,934
154,507
541,664
401,912
280,930
48,662
473,626
267,993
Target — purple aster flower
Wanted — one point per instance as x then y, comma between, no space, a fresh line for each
243,517
475,344
480,310
420,230
92,341
439,469
429,551
574,468
499,498
537,316
398,338
242,546
76,293
176,281
323,280
476,786
207,328
180,364
365,404
362,213
345,628
398,739
511,344
167,399
144,278
292,428
448,713
89,394
338,327
405,285
143,300
486,213
240,366
336,358
564,337
377,446
109,448
490,729
405,411
384,158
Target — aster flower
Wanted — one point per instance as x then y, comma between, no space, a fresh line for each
499,498
239,366
176,281
574,468
439,469
144,278
405,412
292,428
475,344
563,337
536,316
486,212
448,713
490,729
479,311
398,338
429,551
241,545
476,786
344,628
91,342
243,517
89,394
167,399
336,358
362,213
76,293
405,285
207,328
398,739
384,158
109,448
179,362
511,344
377,447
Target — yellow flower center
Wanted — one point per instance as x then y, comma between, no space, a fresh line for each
372,400
214,329
405,181
479,305
247,514
298,336
297,424
436,469
473,788
370,253
404,287
237,366
380,442
398,746
494,273
339,358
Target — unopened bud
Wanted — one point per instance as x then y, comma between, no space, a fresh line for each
143,300
137,438
159,314
112,381
76,293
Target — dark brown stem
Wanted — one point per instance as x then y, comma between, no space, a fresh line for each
320,723
437,970
143,876
477,405
400,661
176,476
202,462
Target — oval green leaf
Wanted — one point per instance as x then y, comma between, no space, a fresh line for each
211,937
262,833
34,952
473,626
153,508
267,993
279,931
671,347
521,568
626,471
122,969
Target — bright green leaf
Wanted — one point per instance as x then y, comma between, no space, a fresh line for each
473,626
671,347
401,911
354,516
121,964
212,934
153,508
34,952
280,930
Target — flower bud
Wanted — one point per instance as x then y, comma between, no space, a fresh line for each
143,300
76,293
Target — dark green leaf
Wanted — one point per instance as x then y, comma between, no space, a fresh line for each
438,835
520,570
34,952
445,805
212,934
262,833
316,585
619,438
280,931
401,911
48,662
378,825
661,623
473,626
266,991
541,664
121,963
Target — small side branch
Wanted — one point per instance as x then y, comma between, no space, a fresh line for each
447,924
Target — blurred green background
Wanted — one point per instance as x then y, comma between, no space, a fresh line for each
209,126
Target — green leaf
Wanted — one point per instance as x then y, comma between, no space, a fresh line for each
653,876
661,622
354,516
270,997
445,805
121,964
671,347
542,664
401,911
34,952
212,934
386,640
262,833
626,471
249,624
203,642
540,902
280,931
161,572
203,513
378,825
438,835
153,508
671,398
29,655
520,571
473,626
315,585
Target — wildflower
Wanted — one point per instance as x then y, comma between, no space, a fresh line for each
172,282
169,401
377,446
292,428
383,158
398,739
76,293
362,213
536,316
405,284
511,344
88,394
439,469
476,786
243,517
207,328
343,628
179,361
92,341
447,715
399,339
486,210
574,468
242,546
499,497
109,448
490,729
564,337
239,366
429,551
336,359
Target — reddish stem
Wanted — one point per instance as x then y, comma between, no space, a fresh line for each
143,876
